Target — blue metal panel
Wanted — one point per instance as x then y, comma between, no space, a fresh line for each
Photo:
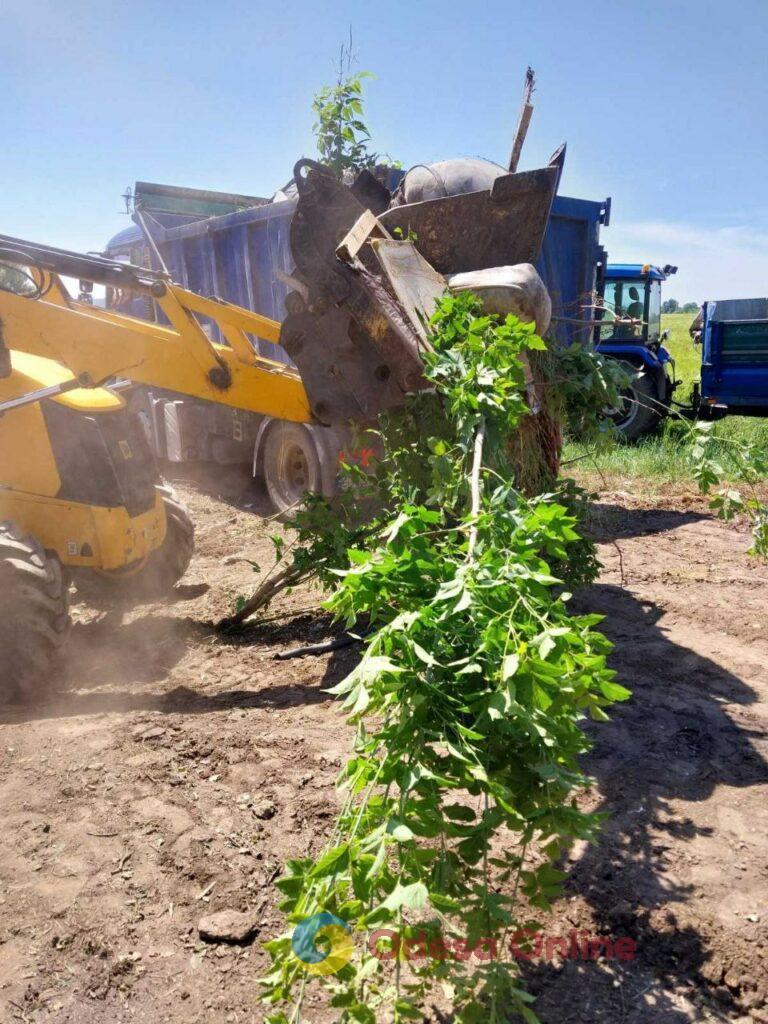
237,257
570,257
635,354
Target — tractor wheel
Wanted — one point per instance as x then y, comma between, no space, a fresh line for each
34,614
159,574
640,410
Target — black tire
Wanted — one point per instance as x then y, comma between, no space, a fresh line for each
34,615
161,572
290,465
641,409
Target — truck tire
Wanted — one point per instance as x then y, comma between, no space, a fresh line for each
34,615
640,410
290,465
159,574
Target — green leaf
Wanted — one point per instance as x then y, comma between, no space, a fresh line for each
332,862
408,1010
509,666
399,831
423,655
412,897
396,526
444,904
362,702
498,706
362,1014
546,646
371,667
613,691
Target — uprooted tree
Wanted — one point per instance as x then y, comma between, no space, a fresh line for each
467,701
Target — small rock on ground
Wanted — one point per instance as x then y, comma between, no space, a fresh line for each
227,926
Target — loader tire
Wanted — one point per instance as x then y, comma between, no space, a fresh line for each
34,615
169,563
160,573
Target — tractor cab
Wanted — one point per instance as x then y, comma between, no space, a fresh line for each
631,304
629,329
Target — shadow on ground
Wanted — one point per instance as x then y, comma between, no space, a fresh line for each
232,485
607,522
673,741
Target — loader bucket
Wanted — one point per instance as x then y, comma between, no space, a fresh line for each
478,230
355,344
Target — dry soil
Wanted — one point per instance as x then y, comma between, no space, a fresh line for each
172,771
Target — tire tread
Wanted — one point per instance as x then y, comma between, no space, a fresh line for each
34,614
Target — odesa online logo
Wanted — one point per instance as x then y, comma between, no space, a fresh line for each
335,948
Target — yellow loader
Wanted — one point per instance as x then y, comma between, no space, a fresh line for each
80,499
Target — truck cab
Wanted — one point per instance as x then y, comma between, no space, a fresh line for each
629,330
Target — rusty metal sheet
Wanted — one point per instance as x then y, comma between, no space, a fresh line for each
478,230
416,285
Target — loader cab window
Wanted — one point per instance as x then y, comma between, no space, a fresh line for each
624,302
17,279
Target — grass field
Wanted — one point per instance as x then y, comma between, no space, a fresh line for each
662,457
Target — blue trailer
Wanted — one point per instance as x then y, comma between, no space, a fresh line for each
573,265
237,248
733,334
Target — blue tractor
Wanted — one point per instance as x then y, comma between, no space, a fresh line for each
629,330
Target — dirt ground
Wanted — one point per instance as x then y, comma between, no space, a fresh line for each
173,771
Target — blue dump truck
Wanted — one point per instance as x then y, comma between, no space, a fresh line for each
237,248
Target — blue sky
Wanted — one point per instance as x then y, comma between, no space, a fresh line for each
664,106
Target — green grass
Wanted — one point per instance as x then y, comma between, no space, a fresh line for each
661,458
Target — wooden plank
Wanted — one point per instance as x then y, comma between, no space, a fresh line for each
525,119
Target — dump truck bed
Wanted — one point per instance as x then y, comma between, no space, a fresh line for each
241,254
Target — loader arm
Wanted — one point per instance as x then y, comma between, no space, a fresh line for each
98,345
